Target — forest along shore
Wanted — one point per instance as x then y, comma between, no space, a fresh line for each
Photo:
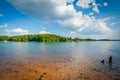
47,38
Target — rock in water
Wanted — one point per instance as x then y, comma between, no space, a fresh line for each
103,61
110,59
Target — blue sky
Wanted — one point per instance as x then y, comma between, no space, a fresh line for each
71,18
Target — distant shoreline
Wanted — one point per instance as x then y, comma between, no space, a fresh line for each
47,38
61,42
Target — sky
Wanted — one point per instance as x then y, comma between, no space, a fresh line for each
71,18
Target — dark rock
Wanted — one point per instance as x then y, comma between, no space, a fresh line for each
103,61
41,77
36,71
110,59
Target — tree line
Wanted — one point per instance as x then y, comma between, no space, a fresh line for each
41,38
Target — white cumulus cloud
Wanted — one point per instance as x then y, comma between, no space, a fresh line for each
84,3
17,31
65,15
44,32
95,7
87,24
88,4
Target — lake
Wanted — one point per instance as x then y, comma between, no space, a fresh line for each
60,60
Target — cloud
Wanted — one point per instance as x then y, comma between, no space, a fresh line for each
95,7
17,31
88,4
65,15
1,15
87,24
73,34
44,32
114,23
84,3
3,26
105,4
91,14
113,35
42,9
70,1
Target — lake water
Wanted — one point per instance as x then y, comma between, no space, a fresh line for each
80,53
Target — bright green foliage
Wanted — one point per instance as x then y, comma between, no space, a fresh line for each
3,38
41,38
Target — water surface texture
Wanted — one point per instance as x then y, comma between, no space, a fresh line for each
59,60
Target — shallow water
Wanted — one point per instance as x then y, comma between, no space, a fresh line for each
50,60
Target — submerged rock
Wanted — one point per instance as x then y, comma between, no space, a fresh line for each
103,61
41,77
110,59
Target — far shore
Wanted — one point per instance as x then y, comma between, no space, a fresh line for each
48,38
68,42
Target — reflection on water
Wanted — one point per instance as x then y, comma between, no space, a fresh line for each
110,64
62,61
